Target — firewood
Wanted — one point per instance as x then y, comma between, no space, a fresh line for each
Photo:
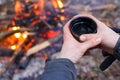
42,45
87,8
106,7
8,33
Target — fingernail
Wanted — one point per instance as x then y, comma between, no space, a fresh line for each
82,38
98,39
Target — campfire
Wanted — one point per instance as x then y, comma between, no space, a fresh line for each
34,26
42,17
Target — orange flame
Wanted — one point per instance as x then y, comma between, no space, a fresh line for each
57,3
18,7
26,1
16,28
17,35
39,7
60,4
36,9
54,2
35,6
41,4
24,36
62,17
35,22
13,23
29,44
13,47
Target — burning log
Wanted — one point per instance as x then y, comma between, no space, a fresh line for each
27,57
8,33
48,25
6,52
11,62
33,20
42,45
24,62
16,57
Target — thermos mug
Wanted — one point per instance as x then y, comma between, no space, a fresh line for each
82,25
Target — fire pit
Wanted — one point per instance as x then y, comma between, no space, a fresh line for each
42,22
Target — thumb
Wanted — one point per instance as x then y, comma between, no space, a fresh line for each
90,43
86,37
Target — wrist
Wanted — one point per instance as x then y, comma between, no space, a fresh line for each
70,56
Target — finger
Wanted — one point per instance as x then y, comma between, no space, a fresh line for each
90,43
67,34
66,28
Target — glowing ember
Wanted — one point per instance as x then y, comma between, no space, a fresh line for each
16,28
62,17
26,1
13,47
62,10
54,3
57,3
17,35
18,7
60,4
13,23
41,4
24,36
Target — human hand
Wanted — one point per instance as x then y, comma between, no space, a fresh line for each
109,37
72,49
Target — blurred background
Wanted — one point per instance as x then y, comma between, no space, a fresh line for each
31,33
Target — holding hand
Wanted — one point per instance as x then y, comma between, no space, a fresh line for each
72,49
109,37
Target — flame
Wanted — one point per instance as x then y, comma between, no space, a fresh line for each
41,4
60,4
24,36
13,47
13,23
44,56
62,10
54,2
17,35
35,22
29,44
16,28
39,7
35,6
27,1
57,3
18,7
62,17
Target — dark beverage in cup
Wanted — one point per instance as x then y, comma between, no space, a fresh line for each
82,25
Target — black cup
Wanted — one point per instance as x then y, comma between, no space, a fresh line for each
82,25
